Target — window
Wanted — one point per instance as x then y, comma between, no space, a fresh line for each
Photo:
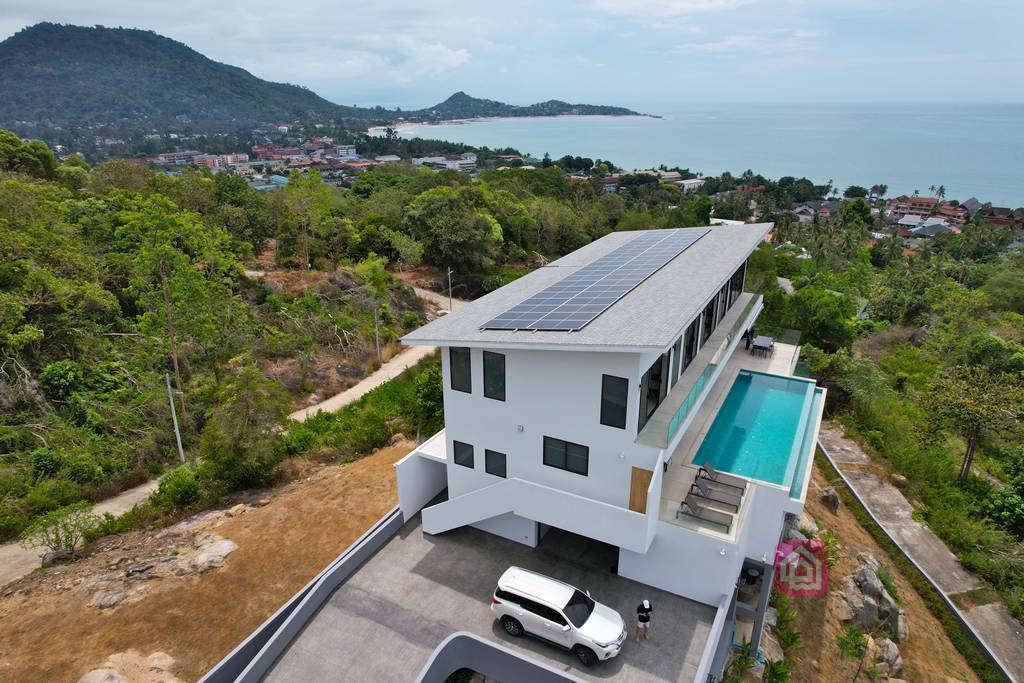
690,344
463,454
494,463
653,388
736,283
461,369
723,302
578,608
494,375
614,395
707,321
551,614
567,456
676,349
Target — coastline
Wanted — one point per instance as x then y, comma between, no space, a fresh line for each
410,125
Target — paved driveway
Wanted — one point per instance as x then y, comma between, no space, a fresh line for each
385,621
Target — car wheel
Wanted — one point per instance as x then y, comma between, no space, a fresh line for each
585,655
511,626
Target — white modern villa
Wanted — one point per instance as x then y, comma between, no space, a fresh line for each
611,394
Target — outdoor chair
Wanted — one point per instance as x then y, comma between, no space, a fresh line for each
708,473
691,507
715,497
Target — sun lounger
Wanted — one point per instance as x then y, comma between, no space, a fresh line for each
728,500
708,473
691,507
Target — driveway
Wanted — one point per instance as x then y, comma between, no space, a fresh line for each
387,619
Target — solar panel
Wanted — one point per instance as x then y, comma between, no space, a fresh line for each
574,301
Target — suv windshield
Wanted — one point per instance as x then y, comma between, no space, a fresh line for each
578,608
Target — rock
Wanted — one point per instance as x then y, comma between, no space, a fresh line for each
771,617
899,481
807,524
888,655
397,438
236,510
103,676
902,627
312,400
262,501
212,554
830,497
793,534
161,661
815,665
55,556
870,560
857,607
770,648
867,580
105,599
140,568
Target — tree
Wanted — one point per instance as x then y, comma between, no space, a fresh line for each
239,444
455,228
31,158
853,643
825,317
973,401
120,174
855,191
62,530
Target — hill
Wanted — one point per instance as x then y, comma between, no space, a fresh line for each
462,106
72,75
76,74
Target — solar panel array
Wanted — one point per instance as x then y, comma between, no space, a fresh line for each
574,301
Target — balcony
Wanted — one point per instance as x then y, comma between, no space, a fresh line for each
688,393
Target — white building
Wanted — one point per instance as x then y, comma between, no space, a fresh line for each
346,152
585,396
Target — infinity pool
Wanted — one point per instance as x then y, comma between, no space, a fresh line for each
763,428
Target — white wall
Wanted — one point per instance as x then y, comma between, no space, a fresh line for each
549,393
419,481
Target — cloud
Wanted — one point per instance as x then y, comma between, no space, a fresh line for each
780,41
666,8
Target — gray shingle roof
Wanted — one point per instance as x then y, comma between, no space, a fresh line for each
649,317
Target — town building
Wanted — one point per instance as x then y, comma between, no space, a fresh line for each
465,163
183,158
215,161
345,152
609,395
388,158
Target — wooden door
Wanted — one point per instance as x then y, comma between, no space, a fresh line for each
638,485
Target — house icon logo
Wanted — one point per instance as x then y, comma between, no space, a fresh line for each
801,568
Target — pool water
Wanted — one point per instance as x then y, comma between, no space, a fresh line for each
759,431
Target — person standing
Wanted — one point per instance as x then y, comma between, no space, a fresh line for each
643,620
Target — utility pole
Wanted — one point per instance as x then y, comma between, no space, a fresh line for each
174,417
449,290
376,336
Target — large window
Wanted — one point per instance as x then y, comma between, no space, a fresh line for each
707,321
461,368
653,387
676,350
566,456
494,375
690,345
463,454
723,302
494,463
736,283
614,396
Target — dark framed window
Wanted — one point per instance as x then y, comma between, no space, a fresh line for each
736,283
463,454
690,345
653,388
566,455
461,368
723,302
494,463
614,397
707,321
676,352
494,375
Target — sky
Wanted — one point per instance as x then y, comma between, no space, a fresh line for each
646,54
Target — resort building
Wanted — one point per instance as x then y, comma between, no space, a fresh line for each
611,394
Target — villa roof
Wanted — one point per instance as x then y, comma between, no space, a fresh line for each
648,317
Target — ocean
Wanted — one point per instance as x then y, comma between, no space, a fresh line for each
971,150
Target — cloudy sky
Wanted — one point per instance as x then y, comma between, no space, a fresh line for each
642,53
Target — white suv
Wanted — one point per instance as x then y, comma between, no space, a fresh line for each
528,602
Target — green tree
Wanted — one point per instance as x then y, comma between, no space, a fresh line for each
239,444
855,191
972,402
31,158
455,229
825,317
61,530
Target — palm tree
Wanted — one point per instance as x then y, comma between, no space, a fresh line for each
932,189
940,192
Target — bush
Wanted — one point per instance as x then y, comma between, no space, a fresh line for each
61,379
179,488
44,462
62,529
890,586
51,494
775,671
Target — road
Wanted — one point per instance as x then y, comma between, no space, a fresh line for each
16,561
387,372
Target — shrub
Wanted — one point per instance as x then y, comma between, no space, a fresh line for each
410,319
62,529
61,379
51,494
1005,507
789,637
179,488
775,671
44,462
890,586
832,547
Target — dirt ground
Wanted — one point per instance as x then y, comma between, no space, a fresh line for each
49,632
927,656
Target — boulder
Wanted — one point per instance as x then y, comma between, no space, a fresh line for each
887,654
856,607
396,439
807,524
236,510
160,661
793,534
211,554
830,497
140,568
870,560
902,627
106,599
899,481
103,676
57,556
866,578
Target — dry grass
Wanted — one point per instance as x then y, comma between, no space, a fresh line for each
197,619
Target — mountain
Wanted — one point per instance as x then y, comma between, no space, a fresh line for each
76,74
462,106
61,74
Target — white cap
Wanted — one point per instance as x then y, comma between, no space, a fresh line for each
647,604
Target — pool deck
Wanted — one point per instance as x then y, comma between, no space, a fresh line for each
680,472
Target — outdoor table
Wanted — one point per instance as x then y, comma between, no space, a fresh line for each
762,344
